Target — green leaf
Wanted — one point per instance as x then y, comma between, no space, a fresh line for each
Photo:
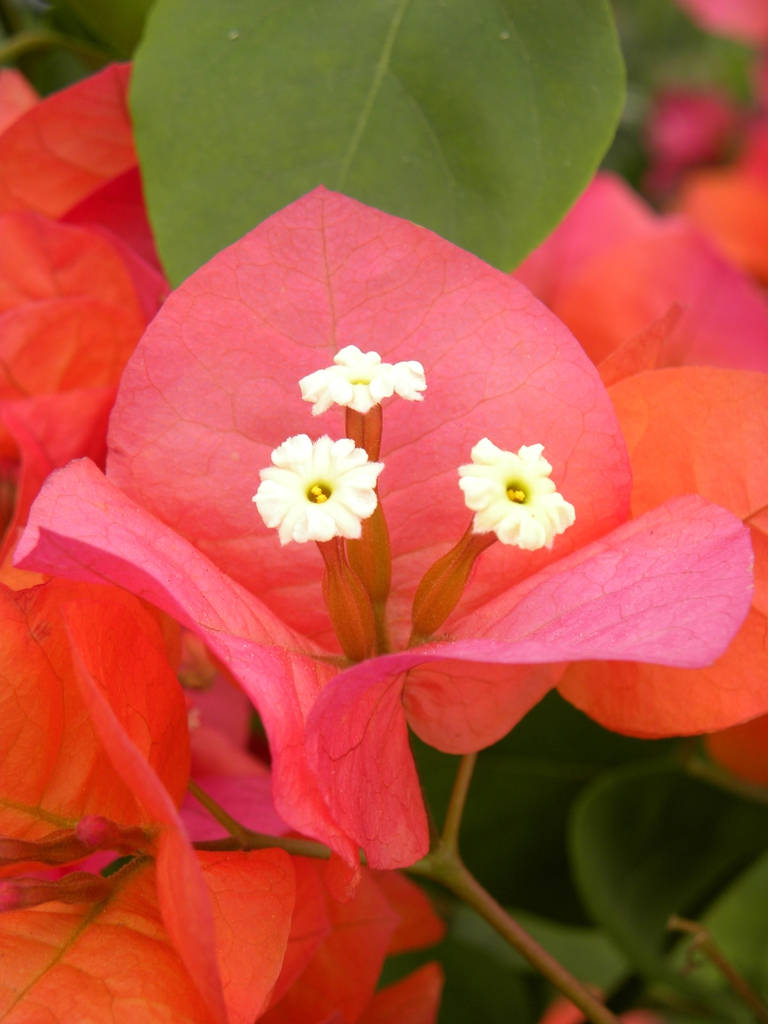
514,830
116,22
481,120
585,952
738,923
648,842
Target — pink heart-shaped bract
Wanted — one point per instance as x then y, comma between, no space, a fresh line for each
212,389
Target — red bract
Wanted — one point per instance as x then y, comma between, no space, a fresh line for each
56,770
212,389
75,296
69,145
97,757
336,950
743,749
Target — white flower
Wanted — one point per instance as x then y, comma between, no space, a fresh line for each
359,380
316,490
511,494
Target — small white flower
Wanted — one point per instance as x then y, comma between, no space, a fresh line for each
316,490
512,495
359,380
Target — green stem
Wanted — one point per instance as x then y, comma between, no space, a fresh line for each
243,838
31,40
702,940
235,829
258,841
444,867
450,837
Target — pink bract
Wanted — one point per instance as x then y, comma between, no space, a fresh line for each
613,267
212,389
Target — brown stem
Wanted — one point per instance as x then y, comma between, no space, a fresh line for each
444,867
30,40
702,940
259,841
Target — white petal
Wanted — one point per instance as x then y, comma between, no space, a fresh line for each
529,524
338,467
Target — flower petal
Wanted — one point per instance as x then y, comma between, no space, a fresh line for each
214,381
93,531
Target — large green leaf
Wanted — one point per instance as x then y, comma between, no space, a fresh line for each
649,842
482,120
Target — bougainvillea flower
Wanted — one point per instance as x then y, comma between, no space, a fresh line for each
686,128
339,948
96,743
673,421
613,267
212,390
70,315
730,204
64,148
743,19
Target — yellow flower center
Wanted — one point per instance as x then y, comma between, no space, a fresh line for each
318,493
515,493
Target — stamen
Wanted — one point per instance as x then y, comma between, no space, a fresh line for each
318,493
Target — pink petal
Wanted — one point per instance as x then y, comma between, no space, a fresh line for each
247,798
213,388
670,587
613,268
93,531
607,214
725,322
743,19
